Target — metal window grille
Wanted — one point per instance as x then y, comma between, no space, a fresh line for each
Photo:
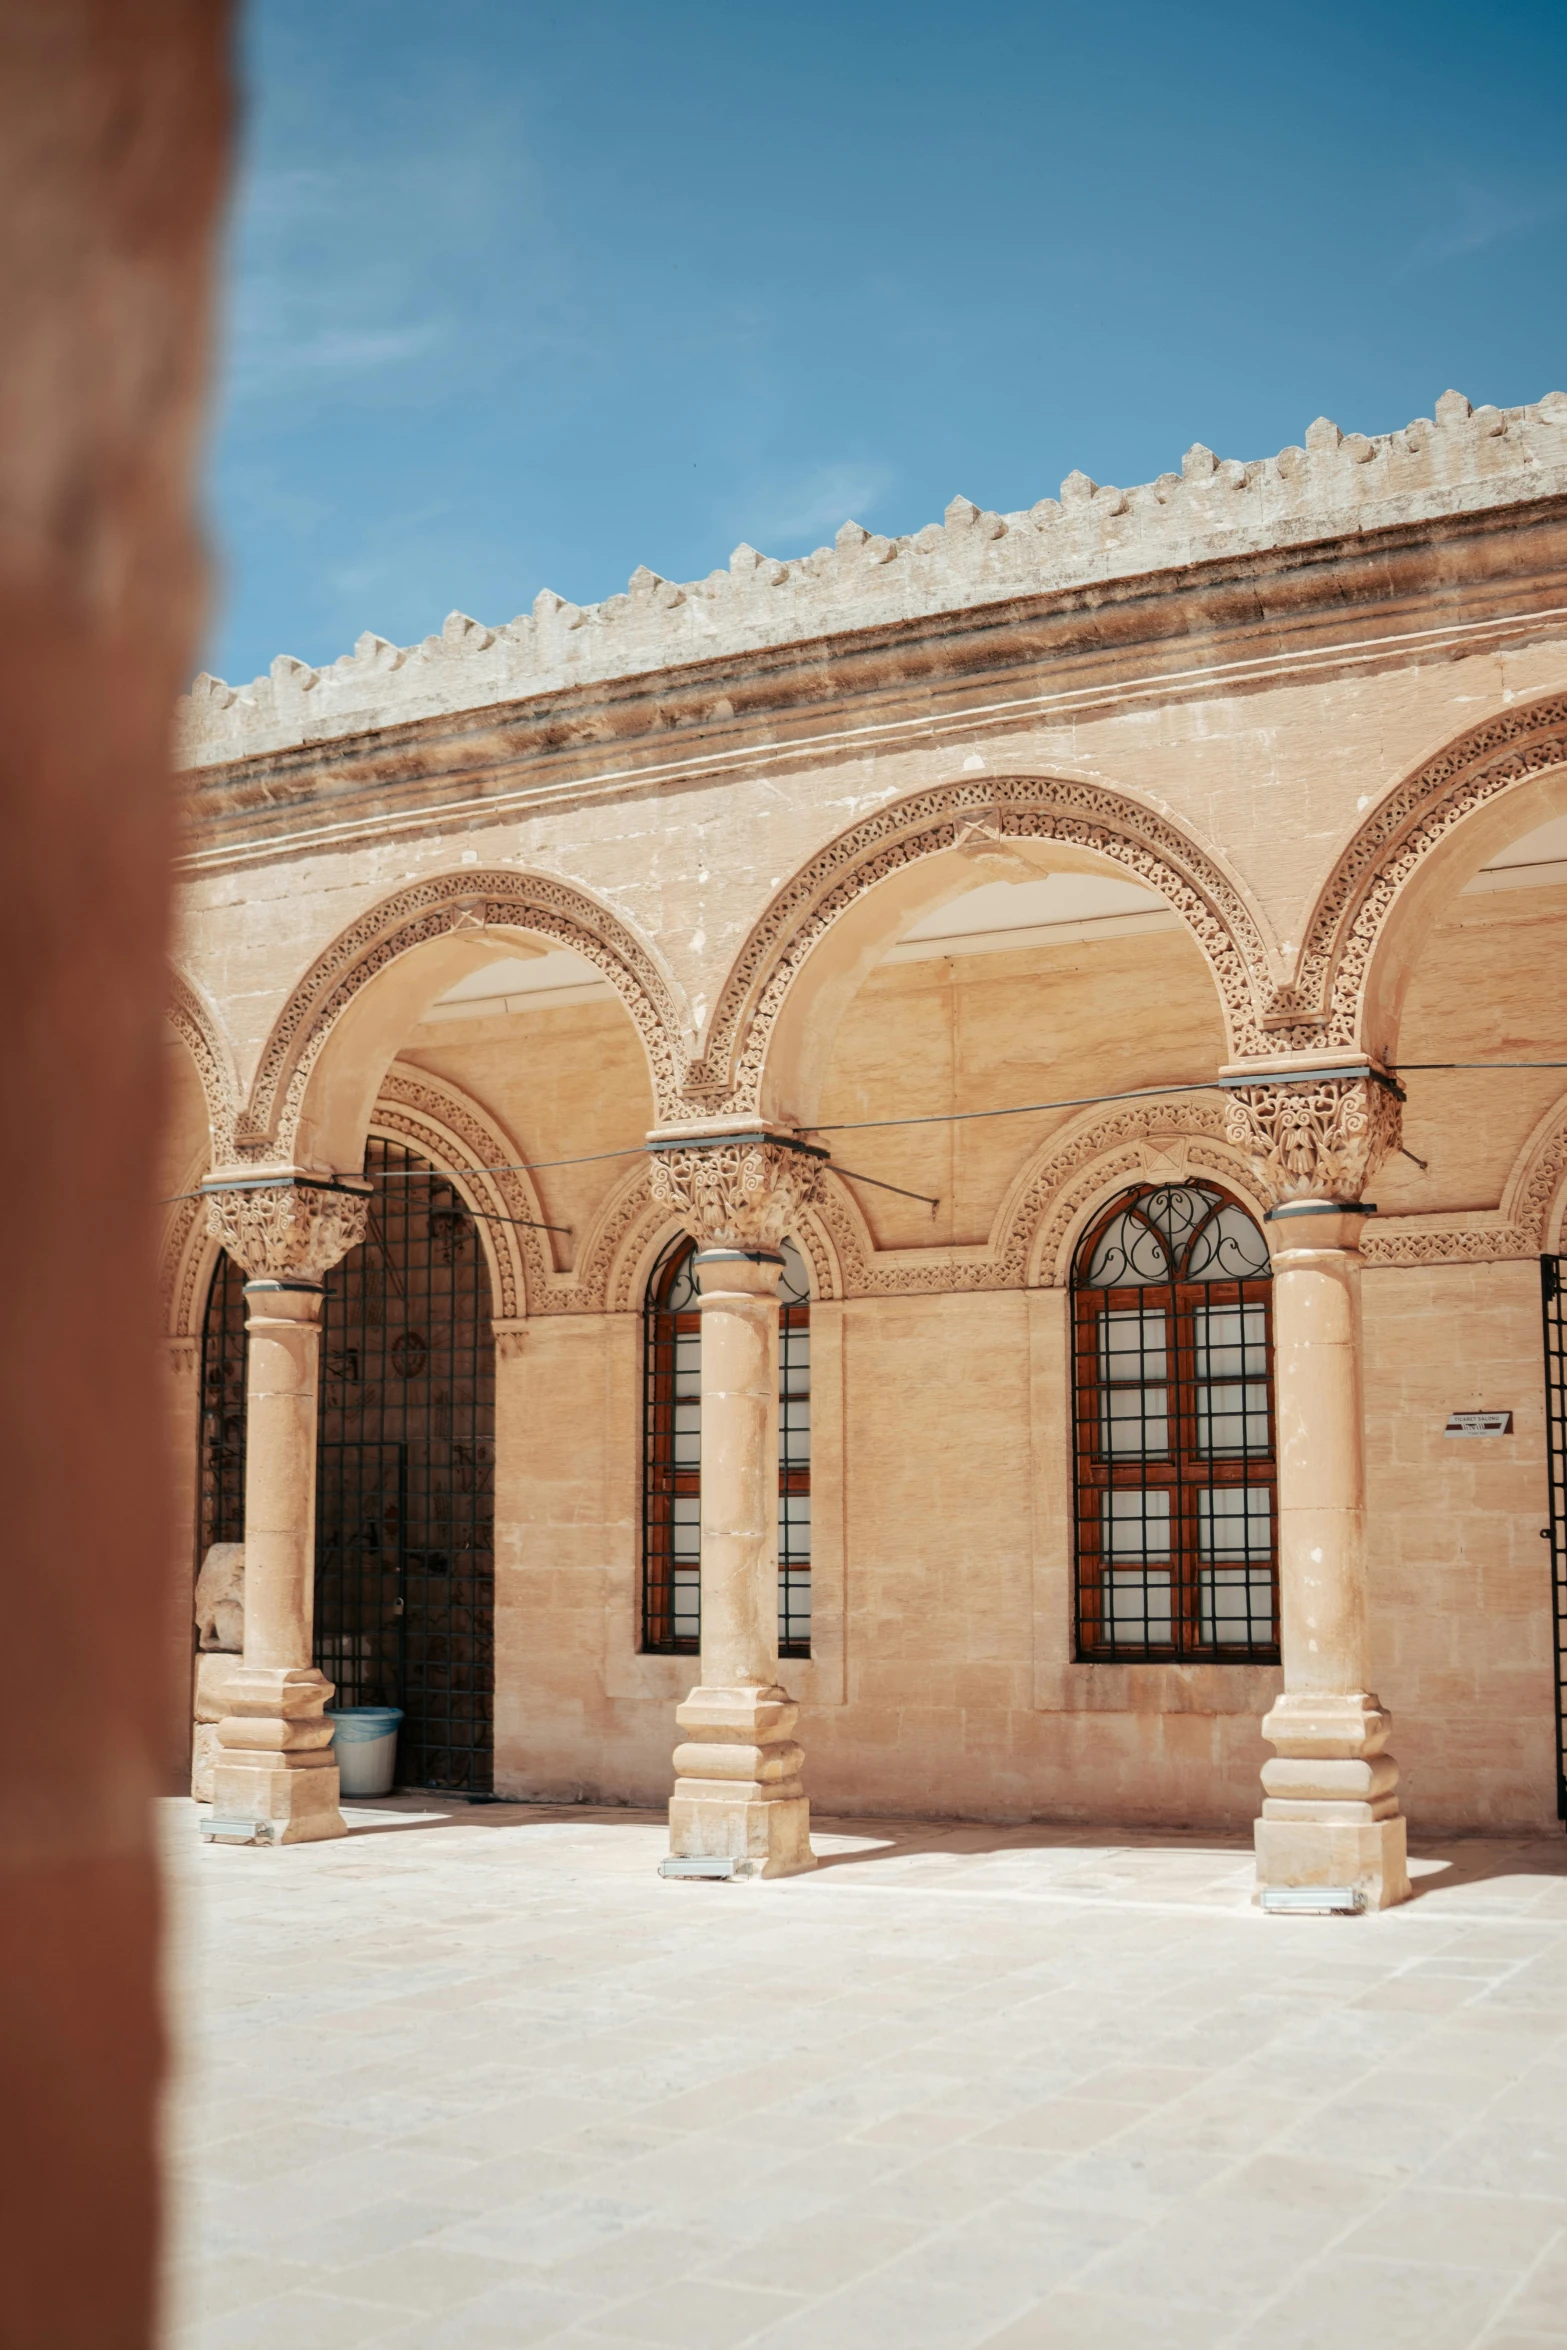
1175,1486
405,1541
1552,1270
672,1455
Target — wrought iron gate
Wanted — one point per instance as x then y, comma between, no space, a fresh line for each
361,1509
405,1513
1552,1271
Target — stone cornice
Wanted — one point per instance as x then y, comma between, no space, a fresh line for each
1464,460
1414,592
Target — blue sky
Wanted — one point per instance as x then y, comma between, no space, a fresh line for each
524,296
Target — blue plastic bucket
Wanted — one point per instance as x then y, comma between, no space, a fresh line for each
364,1739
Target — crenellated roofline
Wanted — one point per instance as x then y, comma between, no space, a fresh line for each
1464,460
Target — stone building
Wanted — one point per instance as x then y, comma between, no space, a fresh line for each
1102,965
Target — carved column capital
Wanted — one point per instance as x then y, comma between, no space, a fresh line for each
734,1188
1319,1136
285,1225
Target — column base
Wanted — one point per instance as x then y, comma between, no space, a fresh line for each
763,1839
1369,1857
737,1793
275,1768
296,1807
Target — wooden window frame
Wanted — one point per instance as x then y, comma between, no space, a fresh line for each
1181,1469
664,1480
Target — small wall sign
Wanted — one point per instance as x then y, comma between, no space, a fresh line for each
1479,1424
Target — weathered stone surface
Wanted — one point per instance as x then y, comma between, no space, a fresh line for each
1466,460
220,1598
1296,751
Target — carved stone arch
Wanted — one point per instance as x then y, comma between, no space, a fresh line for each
638,1226
482,904
1534,1199
1048,1203
621,1248
813,1235
461,1140
1069,1184
196,1023
1330,1001
185,1259
984,812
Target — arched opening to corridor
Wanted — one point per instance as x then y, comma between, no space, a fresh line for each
405,1533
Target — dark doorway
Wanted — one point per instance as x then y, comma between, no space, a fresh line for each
405,1510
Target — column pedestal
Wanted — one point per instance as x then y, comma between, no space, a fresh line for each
276,1770
738,1794
1330,1811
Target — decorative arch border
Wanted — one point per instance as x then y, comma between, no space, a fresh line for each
185,1261
1159,851
472,900
459,1139
643,1236
1322,1004
1536,1195
1108,1158
196,1023
1528,1222
1046,1207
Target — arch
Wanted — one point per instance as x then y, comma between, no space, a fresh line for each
1050,1200
185,1260
762,1046
1535,1200
448,1129
1182,1142
335,1037
1424,839
196,1023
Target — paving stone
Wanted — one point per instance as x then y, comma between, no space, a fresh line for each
1044,2093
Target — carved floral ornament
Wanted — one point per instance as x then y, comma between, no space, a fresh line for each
739,1193
1321,1136
288,1229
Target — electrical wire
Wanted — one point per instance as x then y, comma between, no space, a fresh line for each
1079,1101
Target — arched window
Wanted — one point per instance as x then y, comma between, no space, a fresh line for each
672,1455
1173,1411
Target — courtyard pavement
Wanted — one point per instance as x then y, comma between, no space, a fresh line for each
476,2078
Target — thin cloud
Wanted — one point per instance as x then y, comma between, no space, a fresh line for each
1474,218
344,351
816,503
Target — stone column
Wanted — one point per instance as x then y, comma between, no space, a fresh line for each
1330,1814
276,1771
738,1795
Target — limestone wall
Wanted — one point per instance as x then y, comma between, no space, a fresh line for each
1460,1580
943,1677
1322,691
